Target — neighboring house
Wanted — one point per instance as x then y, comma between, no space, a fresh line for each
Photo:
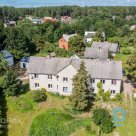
89,36
129,17
63,42
49,19
133,27
10,24
36,21
24,62
96,53
8,57
66,19
29,18
112,47
56,74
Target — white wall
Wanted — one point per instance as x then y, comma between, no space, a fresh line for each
68,72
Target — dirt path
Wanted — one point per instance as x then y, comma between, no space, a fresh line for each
129,87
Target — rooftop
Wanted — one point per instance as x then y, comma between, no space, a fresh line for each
96,68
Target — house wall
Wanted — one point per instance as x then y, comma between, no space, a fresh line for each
58,83
63,44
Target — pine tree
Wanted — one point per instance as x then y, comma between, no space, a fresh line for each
79,98
11,84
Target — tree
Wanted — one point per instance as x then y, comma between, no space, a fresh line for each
79,98
131,66
76,44
16,42
39,42
11,85
103,120
39,95
3,63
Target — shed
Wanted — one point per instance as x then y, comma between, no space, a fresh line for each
24,62
8,57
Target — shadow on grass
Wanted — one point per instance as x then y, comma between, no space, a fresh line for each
4,120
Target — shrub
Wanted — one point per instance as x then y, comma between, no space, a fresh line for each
106,96
118,97
39,95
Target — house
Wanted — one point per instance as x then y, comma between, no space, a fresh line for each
10,24
66,19
112,47
89,36
49,19
96,53
133,27
63,41
36,21
29,18
129,17
24,62
56,74
8,57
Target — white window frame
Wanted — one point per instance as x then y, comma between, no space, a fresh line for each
113,82
50,86
65,90
65,79
49,77
102,81
92,80
36,85
35,75
113,91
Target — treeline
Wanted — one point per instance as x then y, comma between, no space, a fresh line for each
12,13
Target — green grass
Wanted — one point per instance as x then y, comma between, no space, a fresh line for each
55,119
56,123
121,57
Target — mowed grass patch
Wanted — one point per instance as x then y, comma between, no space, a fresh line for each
56,123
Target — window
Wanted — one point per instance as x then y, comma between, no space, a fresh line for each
49,76
57,77
36,84
113,91
35,75
50,86
113,82
65,89
92,80
103,81
65,79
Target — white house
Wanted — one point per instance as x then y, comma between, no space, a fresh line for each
8,57
56,74
89,36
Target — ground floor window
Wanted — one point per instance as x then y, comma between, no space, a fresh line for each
36,84
113,91
49,86
65,89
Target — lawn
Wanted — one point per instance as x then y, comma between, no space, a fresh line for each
50,117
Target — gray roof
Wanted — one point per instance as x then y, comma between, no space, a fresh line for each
96,68
6,54
96,53
67,37
113,47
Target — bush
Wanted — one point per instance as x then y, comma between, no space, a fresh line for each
106,96
39,95
118,97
